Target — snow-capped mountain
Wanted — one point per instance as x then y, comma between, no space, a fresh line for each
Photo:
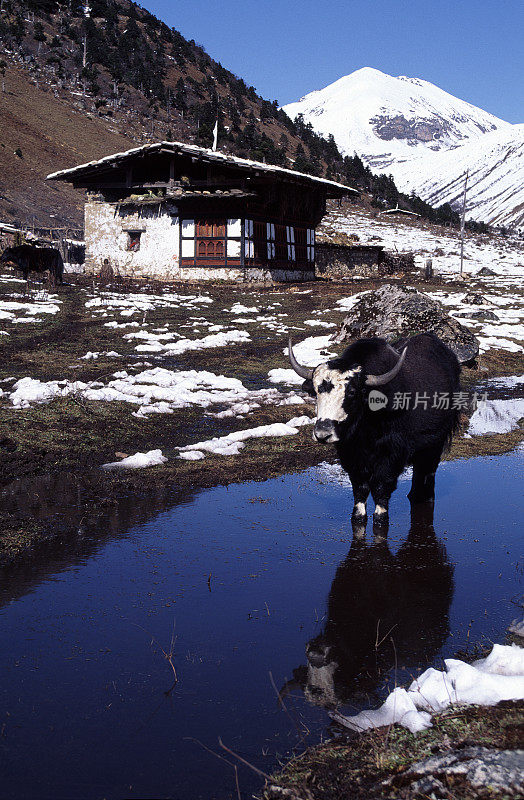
495,163
425,138
386,119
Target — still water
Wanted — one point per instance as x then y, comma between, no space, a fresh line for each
255,589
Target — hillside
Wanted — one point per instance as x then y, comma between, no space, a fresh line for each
425,139
40,132
496,177
77,86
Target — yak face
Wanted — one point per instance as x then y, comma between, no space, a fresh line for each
339,395
319,687
340,386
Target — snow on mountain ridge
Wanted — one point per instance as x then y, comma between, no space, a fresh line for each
495,163
383,118
425,137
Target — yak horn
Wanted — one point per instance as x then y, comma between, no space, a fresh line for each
380,380
304,372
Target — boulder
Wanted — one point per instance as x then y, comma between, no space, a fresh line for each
484,315
486,272
397,312
474,299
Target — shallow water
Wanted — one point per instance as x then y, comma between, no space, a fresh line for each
249,577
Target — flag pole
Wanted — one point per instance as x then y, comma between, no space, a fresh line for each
215,135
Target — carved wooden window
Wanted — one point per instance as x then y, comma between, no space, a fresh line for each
210,242
211,229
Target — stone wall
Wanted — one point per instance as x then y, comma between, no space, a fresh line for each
339,261
107,230
107,233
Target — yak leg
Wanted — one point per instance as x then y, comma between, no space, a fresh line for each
360,495
423,483
381,491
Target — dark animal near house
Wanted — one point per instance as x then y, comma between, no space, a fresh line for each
378,433
384,611
27,258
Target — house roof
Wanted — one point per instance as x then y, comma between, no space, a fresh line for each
206,155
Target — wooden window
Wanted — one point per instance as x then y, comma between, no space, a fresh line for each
206,229
270,234
310,244
249,245
291,255
301,244
280,243
259,242
210,242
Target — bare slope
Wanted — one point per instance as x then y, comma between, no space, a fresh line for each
40,133
137,77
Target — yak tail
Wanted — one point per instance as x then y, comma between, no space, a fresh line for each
457,422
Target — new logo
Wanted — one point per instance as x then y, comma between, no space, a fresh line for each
377,400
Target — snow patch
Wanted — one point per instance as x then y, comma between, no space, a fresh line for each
140,460
233,443
488,681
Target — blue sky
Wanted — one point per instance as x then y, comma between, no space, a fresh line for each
474,50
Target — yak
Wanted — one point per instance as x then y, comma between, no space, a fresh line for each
384,610
26,258
384,410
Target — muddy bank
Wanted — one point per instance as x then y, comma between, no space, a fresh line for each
374,764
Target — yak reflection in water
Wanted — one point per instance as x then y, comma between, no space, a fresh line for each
383,611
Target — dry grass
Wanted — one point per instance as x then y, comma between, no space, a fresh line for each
355,767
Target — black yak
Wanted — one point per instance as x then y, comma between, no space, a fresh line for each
27,258
384,410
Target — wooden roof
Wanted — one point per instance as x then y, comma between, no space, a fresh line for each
203,155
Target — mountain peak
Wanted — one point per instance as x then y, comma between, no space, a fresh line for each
423,136
385,119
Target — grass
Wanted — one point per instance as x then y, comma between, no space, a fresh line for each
356,766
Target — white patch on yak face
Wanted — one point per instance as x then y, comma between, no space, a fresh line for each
330,388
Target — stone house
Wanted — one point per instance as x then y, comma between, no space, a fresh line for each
179,212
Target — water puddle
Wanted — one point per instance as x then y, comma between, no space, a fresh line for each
256,590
